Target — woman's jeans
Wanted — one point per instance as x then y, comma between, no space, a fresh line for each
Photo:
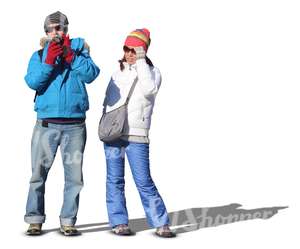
45,141
138,157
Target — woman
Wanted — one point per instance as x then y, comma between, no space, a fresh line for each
135,66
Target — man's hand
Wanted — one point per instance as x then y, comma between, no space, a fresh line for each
68,55
140,53
54,50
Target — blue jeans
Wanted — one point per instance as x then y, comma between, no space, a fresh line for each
45,141
138,157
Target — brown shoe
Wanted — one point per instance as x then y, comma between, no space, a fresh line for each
165,232
122,229
69,231
34,229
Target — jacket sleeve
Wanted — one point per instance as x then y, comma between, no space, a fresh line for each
148,82
38,73
86,69
112,94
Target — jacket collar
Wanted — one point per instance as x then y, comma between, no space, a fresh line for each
128,66
76,43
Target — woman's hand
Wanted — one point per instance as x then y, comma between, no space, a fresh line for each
140,53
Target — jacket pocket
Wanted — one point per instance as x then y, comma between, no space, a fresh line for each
77,95
146,111
74,102
74,85
46,101
142,112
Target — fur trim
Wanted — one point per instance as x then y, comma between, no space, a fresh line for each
44,40
86,46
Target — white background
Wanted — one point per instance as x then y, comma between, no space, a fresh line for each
225,127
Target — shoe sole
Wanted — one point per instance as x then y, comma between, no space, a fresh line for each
172,235
68,234
34,233
123,234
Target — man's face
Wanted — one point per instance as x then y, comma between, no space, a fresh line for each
55,29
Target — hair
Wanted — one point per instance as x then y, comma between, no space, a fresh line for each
148,61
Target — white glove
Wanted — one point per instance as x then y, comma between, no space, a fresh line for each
140,53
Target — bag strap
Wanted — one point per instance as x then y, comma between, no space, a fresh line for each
40,52
128,97
131,91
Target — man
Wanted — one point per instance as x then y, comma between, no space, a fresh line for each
58,74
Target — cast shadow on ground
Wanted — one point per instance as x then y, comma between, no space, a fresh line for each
192,219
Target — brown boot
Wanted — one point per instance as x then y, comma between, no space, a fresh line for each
34,229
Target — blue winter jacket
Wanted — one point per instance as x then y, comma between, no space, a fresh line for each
61,88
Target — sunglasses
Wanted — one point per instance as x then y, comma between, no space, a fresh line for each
56,28
127,50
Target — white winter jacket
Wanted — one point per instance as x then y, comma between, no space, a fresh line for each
141,103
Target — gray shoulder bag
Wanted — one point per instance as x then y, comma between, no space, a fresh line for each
111,125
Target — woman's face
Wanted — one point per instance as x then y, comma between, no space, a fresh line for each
130,55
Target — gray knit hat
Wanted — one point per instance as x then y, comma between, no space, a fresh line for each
56,17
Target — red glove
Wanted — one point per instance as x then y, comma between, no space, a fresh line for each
68,54
54,50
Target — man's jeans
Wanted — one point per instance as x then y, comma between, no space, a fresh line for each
45,141
138,157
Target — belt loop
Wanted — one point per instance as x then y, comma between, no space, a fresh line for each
44,123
